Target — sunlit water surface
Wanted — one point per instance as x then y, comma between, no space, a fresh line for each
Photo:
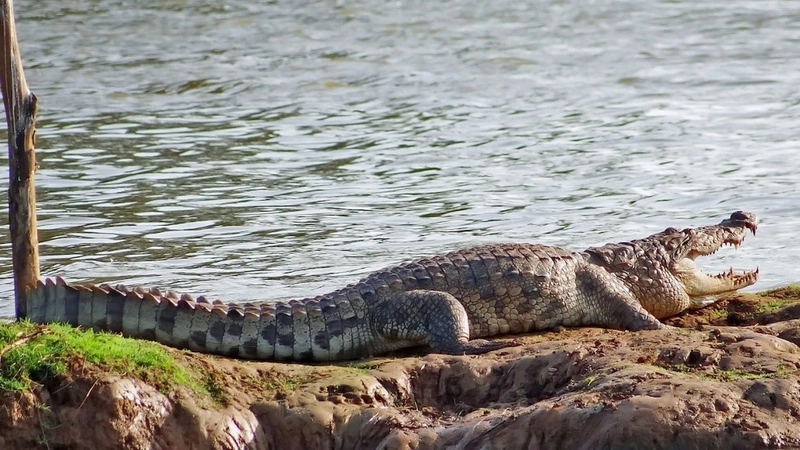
254,151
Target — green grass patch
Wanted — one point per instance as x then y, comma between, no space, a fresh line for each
739,374
736,375
730,374
282,383
590,380
791,291
718,314
214,388
32,353
362,368
774,305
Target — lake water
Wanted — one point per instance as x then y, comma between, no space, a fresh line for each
262,150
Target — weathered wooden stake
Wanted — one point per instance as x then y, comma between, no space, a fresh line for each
20,105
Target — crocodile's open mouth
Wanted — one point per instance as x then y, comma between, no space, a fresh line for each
697,283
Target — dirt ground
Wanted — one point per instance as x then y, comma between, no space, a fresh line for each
727,376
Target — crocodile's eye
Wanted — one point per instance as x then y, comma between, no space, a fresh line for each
670,230
672,244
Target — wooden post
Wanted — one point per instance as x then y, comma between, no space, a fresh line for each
20,107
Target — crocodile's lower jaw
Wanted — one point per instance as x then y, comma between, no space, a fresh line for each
697,283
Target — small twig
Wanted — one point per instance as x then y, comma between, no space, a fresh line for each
20,340
43,429
87,394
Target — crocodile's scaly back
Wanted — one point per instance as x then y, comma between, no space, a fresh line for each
445,302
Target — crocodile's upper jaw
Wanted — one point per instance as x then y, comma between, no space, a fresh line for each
705,241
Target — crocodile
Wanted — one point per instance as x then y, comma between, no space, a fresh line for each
448,302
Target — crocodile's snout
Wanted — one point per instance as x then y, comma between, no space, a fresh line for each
698,284
742,219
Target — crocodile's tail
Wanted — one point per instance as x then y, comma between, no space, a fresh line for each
274,331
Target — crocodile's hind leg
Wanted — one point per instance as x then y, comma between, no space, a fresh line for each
428,317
